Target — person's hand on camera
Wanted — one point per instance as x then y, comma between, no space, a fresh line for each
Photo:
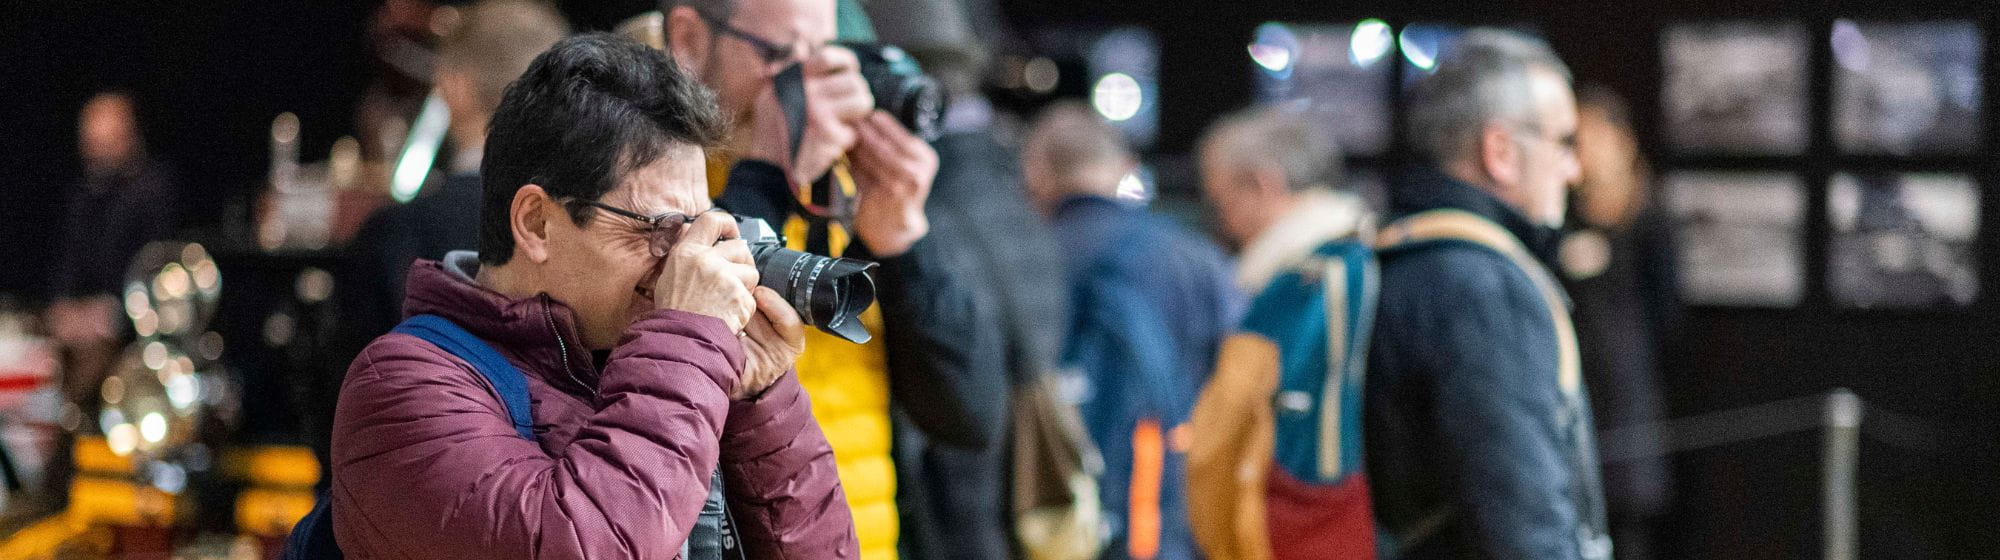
837,99
771,344
708,271
893,170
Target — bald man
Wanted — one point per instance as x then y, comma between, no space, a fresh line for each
1151,301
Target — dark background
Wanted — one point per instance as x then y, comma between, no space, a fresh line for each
210,75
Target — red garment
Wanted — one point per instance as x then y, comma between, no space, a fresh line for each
427,465
1315,521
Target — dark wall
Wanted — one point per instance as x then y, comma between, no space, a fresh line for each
209,77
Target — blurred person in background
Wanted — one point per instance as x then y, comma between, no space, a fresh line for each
954,498
1618,264
1305,263
940,360
1150,301
1480,439
650,355
124,201
490,46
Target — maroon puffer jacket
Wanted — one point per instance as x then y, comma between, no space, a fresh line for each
427,465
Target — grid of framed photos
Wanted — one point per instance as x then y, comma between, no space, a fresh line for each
1889,165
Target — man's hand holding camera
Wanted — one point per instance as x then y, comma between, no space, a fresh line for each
709,271
893,168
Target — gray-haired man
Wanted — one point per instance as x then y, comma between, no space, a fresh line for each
1480,437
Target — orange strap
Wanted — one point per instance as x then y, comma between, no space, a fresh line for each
1149,457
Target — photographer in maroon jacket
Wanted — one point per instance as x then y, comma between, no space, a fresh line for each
651,355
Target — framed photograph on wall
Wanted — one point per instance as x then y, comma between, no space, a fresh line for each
1736,88
1903,240
1740,235
1907,89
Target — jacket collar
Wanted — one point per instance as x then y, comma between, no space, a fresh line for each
1426,188
1318,216
539,332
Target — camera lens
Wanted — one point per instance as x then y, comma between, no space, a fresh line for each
828,292
901,88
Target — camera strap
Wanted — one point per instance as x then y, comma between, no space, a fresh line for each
790,88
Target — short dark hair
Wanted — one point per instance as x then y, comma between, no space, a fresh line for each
588,112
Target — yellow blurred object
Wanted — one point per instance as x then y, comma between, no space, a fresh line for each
94,455
281,465
44,540
271,512
104,501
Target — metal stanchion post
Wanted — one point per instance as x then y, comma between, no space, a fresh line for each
1839,457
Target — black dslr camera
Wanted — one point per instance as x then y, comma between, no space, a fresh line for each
828,292
901,88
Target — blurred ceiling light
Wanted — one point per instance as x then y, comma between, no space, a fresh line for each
1117,96
153,427
1040,75
421,149
1850,47
285,128
1421,53
1273,47
124,438
1370,42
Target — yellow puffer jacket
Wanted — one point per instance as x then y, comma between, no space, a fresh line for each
849,385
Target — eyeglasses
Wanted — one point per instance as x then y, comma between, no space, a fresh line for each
1567,142
771,51
661,231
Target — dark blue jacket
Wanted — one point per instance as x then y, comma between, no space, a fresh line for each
1150,303
1473,449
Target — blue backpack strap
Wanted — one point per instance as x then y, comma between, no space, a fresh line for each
506,379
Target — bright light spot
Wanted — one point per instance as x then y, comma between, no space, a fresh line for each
1850,47
421,149
1424,57
153,427
123,439
155,355
112,391
1275,49
182,391
285,128
1041,75
169,477
1275,58
173,281
146,324
1117,96
1131,188
109,418
1370,42
206,276
136,303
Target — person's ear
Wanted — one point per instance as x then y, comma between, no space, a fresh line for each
529,218
688,40
1268,180
1500,155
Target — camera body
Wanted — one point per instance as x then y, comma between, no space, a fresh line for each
901,88
828,292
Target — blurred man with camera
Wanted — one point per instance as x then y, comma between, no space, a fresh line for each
810,153
631,314
1480,439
